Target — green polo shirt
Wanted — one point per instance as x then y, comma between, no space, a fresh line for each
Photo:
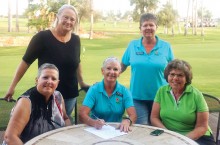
180,116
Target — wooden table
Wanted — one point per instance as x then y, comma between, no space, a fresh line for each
140,135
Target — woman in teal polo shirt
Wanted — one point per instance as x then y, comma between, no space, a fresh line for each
148,56
180,107
108,100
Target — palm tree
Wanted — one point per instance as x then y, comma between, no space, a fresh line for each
193,18
17,17
202,32
91,20
9,16
196,18
187,18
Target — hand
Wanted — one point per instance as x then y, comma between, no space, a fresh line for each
99,123
9,95
84,86
125,125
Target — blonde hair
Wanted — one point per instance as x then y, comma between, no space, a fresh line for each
60,11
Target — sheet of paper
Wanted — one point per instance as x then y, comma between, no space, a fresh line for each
106,132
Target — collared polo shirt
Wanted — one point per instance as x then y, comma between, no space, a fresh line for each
147,70
110,108
180,115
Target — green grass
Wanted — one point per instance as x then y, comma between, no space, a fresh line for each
203,53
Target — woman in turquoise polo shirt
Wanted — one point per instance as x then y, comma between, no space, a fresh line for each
106,101
180,107
148,56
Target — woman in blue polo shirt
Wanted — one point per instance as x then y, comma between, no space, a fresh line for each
148,56
108,100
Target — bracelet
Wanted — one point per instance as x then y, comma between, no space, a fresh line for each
128,119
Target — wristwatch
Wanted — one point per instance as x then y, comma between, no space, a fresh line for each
128,119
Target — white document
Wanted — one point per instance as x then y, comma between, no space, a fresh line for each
106,132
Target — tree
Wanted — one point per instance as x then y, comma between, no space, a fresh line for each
91,20
143,6
167,16
187,19
9,16
17,17
42,14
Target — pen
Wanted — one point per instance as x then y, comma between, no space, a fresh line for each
98,118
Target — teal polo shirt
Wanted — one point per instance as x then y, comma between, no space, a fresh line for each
111,108
180,116
147,70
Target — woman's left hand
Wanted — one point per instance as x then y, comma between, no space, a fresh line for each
125,125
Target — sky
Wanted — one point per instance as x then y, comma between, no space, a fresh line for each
122,5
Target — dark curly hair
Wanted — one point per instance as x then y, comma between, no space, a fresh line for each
182,66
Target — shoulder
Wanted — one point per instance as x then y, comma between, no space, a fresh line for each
96,86
58,96
42,34
195,93
74,36
162,42
121,89
135,41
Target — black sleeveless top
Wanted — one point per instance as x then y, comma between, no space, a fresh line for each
41,119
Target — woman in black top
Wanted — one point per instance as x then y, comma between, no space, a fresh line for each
44,109
60,47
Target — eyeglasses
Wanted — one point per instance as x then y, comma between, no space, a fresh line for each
172,75
66,18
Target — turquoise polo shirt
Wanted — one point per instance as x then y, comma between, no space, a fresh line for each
180,116
147,70
110,108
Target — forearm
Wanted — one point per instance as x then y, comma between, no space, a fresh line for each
132,114
79,75
12,140
123,67
22,68
197,133
157,122
67,122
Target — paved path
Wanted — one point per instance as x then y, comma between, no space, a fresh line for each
212,122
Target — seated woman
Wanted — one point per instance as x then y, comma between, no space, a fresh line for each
180,107
38,110
108,100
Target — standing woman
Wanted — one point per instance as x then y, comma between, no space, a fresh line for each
148,57
60,47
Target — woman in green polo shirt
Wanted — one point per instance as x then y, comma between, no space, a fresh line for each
180,107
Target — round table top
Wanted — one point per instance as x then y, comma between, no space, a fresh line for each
140,135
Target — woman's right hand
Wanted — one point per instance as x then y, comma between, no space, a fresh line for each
99,123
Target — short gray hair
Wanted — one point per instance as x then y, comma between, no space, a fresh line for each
110,59
146,17
46,66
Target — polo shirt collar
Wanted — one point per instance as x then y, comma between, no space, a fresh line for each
188,89
139,45
102,88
